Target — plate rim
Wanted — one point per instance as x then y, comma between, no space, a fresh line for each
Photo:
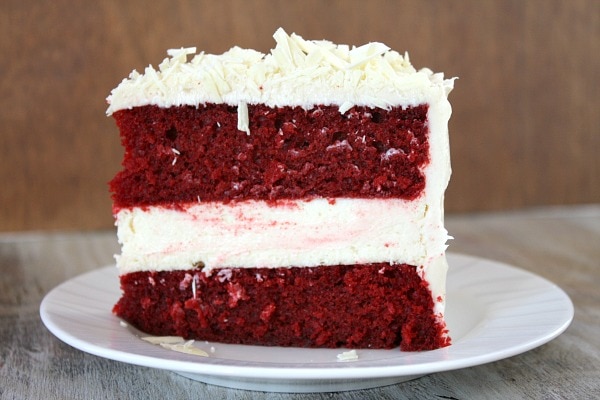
335,371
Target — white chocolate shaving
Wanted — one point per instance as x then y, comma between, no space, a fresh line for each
243,121
186,348
346,356
162,339
176,343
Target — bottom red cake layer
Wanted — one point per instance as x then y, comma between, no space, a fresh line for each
361,306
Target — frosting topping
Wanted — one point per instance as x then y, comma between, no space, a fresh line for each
297,72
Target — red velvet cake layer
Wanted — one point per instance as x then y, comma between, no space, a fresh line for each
385,306
180,154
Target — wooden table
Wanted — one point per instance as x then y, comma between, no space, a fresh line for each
561,244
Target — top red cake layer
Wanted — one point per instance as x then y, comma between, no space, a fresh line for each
182,154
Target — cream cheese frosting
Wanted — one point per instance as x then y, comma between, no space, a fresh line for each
297,72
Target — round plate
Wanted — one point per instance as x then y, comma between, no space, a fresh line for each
493,311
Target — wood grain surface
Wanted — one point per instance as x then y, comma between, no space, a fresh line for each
558,244
525,130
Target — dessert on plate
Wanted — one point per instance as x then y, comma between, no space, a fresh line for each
293,198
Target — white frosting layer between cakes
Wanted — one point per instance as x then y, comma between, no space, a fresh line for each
288,233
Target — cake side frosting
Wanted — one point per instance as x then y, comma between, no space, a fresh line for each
296,72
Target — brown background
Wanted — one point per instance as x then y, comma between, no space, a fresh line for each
525,130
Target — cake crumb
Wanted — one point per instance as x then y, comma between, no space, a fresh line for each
347,356
224,275
185,282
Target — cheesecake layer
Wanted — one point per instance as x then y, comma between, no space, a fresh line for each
286,233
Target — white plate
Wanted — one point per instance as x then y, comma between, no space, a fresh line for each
493,311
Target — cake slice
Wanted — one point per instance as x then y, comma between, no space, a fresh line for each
288,199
